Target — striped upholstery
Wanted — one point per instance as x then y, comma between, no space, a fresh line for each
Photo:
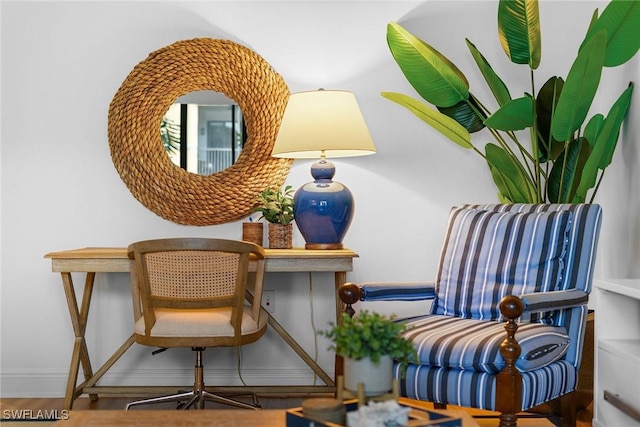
489,254
583,238
579,264
478,389
459,354
471,344
404,291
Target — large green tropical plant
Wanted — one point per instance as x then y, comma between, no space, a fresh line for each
564,159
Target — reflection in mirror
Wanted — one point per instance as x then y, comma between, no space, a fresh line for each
203,132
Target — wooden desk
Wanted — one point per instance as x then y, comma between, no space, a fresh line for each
114,260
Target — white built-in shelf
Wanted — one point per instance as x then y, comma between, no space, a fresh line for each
628,349
617,370
628,287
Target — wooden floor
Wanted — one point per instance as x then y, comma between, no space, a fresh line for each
53,407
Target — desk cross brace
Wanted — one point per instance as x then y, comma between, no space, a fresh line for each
80,356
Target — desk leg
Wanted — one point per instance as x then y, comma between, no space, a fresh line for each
79,322
340,279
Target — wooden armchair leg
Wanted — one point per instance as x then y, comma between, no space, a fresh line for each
509,380
568,407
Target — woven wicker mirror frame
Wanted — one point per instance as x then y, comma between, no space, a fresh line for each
137,109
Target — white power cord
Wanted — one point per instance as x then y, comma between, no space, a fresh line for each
313,326
239,352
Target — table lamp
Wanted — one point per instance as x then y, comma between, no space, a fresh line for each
318,125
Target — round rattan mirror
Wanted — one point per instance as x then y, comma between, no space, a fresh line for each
138,107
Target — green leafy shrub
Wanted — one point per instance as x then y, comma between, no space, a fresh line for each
276,206
370,335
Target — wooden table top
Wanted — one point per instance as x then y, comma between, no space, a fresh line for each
113,259
120,252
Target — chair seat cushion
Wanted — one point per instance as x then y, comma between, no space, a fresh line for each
470,344
214,322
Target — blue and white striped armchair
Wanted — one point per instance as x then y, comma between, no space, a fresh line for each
513,276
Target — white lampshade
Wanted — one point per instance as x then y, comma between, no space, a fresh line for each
323,123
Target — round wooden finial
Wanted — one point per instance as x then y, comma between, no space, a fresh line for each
511,307
349,293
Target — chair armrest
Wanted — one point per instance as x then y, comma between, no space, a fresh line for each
554,300
351,293
398,291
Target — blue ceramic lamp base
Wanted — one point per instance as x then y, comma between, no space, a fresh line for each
323,209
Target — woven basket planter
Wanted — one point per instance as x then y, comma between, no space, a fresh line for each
280,236
253,232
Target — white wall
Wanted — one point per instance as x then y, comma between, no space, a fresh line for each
62,62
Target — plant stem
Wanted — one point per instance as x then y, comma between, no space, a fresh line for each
595,190
526,170
564,168
534,142
496,135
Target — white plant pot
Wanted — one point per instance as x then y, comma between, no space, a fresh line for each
377,378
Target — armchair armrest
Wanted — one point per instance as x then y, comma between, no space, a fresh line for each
554,300
398,291
351,293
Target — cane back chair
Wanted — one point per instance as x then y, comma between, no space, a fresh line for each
193,292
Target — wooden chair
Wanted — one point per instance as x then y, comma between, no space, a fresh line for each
193,293
526,269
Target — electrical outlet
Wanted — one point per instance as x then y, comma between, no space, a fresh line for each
269,301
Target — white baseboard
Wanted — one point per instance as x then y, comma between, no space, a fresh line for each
52,385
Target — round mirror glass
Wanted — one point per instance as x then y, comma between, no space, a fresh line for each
203,132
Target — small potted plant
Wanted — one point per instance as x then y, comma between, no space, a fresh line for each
276,206
369,343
